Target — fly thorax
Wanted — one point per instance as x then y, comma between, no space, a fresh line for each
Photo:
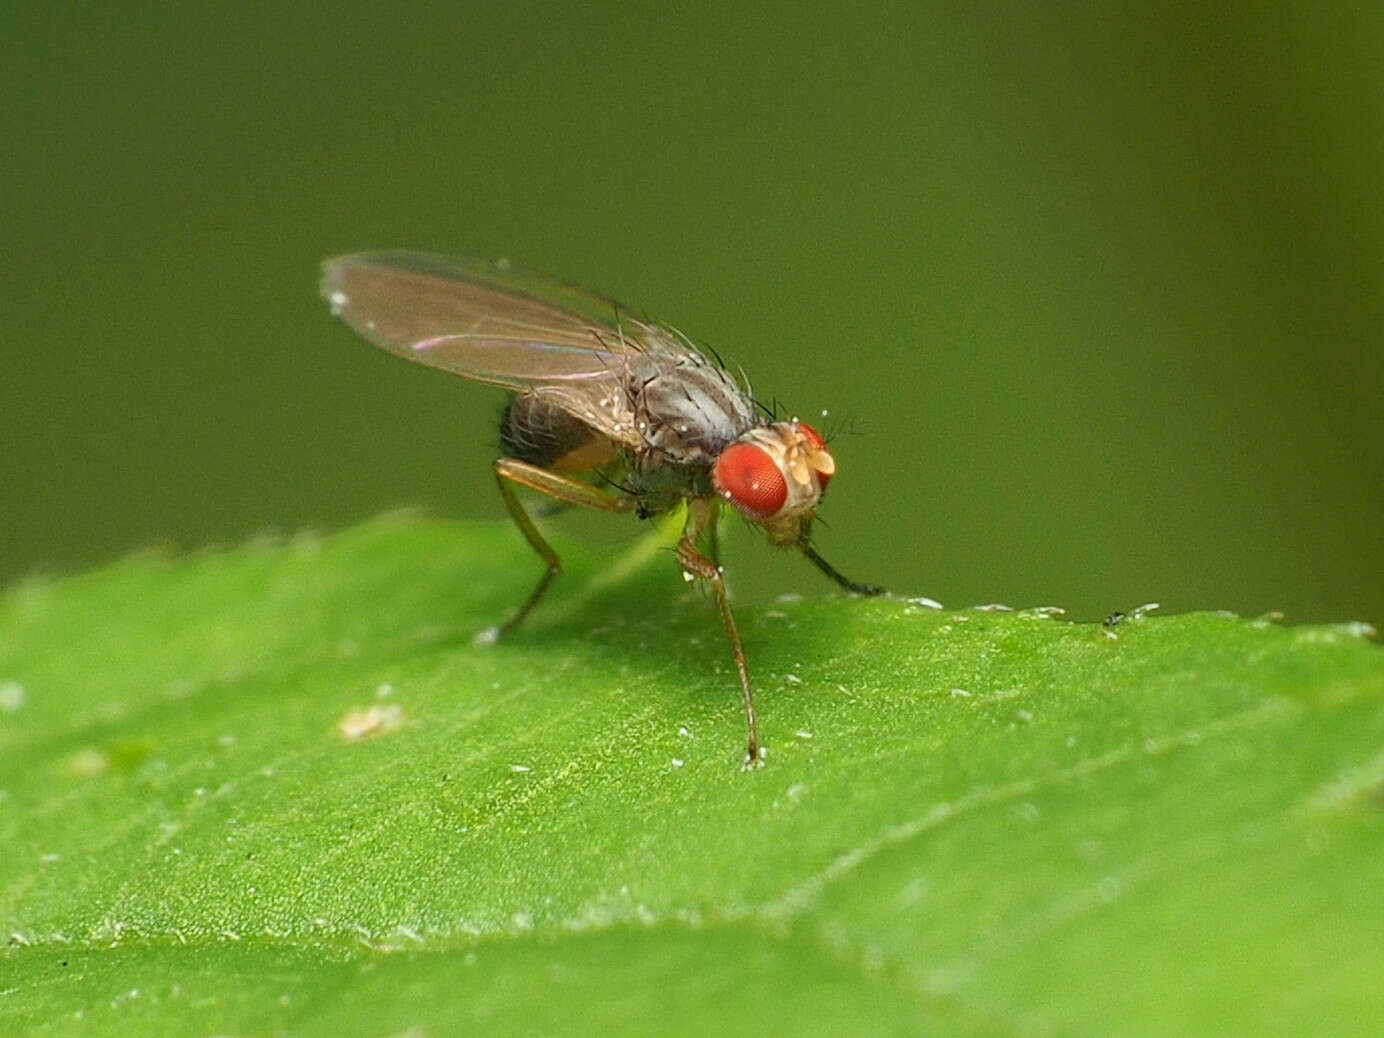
688,409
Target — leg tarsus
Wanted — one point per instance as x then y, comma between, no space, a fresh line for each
840,578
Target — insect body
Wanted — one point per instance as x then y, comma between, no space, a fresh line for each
608,412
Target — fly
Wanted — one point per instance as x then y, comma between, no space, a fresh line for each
607,411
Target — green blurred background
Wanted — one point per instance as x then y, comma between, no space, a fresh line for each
1101,288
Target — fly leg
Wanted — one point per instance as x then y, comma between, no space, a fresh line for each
840,578
566,490
701,515
713,542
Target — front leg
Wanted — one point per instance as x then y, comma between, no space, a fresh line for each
701,516
840,578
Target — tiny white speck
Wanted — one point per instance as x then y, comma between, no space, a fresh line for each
685,732
489,636
677,762
802,733
1147,607
519,769
788,597
12,696
960,693
926,603
993,607
124,997
1023,715
384,691
364,722
792,679
339,301
688,576
370,325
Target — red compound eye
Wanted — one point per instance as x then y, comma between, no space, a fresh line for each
816,443
748,477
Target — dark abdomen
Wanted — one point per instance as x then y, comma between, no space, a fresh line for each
545,435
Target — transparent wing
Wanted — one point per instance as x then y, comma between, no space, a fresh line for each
484,321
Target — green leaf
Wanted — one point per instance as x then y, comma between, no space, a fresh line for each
279,789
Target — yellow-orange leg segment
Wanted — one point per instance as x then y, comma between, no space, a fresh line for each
701,516
563,488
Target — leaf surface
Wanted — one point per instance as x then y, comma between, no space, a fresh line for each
277,788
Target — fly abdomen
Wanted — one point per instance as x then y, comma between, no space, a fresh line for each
543,434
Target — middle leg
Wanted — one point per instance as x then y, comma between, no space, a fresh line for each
702,515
